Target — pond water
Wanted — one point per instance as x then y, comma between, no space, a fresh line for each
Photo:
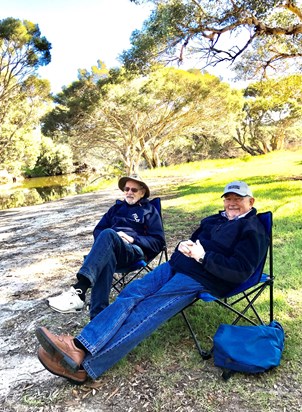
41,189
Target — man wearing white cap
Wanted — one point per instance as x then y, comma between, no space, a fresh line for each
238,199
130,231
222,253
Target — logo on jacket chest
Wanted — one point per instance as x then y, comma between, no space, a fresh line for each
135,217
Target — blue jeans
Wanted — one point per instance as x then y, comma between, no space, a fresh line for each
138,310
108,254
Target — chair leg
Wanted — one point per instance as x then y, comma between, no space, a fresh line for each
203,353
271,294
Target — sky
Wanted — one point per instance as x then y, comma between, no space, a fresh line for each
82,32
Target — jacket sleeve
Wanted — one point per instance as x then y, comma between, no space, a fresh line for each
244,259
153,240
104,223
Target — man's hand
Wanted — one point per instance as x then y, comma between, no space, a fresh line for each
191,249
185,247
125,237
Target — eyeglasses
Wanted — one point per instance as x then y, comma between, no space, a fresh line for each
131,189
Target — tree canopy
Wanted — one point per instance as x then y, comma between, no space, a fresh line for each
129,120
23,96
22,51
259,37
273,113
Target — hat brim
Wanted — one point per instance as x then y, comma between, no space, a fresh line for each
123,180
237,192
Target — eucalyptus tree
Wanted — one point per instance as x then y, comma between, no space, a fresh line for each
23,96
273,113
53,159
19,129
258,37
136,119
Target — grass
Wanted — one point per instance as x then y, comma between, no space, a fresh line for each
276,181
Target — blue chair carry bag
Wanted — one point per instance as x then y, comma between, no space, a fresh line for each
249,349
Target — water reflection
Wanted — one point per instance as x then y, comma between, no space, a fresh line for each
41,189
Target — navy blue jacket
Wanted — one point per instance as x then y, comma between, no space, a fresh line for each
141,221
234,248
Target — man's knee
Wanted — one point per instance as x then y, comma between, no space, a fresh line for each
106,235
109,232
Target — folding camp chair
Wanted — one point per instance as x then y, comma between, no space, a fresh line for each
123,277
247,293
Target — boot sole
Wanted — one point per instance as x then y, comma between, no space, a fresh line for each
72,380
66,361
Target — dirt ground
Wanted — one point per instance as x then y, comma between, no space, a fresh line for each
41,248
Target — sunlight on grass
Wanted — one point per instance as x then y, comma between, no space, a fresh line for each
276,182
289,163
99,184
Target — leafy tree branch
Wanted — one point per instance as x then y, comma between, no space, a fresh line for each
219,31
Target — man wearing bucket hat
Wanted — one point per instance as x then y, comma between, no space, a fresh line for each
131,230
222,253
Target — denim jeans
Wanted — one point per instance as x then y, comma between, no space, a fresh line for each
108,254
138,310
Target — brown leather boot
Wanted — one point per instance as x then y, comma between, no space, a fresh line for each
62,347
53,365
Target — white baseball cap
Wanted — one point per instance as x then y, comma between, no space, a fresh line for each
238,187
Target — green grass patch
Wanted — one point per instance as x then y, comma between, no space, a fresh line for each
276,181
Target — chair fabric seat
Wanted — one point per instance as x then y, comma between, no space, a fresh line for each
135,266
207,297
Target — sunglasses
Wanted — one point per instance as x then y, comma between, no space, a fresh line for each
131,189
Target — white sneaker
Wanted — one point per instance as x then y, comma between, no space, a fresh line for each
67,302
